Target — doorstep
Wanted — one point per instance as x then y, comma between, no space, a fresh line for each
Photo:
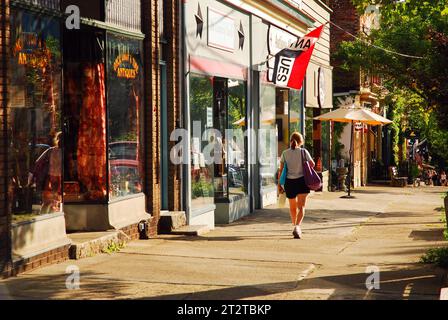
193,231
88,244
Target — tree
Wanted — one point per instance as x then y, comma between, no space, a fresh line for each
412,27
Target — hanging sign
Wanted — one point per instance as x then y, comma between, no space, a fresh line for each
126,66
291,63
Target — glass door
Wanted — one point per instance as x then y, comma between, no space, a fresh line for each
85,140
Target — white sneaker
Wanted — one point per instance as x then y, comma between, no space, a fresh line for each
297,232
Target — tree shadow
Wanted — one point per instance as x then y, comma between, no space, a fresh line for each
414,282
47,287
427,235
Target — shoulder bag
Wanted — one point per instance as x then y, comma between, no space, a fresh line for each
312,179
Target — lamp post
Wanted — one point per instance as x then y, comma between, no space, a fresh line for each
350,164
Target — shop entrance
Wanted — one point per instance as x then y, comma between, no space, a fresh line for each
103,130
85,176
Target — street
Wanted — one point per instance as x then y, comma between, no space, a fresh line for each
385,229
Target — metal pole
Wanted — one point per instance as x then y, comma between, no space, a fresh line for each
350,166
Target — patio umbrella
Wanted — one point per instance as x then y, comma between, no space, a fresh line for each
353,115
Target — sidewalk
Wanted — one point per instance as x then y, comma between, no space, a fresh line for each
257,258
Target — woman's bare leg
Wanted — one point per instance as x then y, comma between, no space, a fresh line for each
301,203
293,210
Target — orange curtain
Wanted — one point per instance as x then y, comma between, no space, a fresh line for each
91,147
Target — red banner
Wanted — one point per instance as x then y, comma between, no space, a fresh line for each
291,63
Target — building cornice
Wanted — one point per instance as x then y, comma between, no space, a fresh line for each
275,14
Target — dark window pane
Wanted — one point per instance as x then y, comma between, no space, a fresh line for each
85,117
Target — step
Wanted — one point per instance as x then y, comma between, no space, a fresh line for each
172,220
88,244
444,294
194,231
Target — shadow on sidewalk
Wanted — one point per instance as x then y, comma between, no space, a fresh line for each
54,286
415,282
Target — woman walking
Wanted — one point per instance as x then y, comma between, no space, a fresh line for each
295,187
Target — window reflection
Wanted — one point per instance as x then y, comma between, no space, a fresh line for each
201,113
85,117
125,88
309,123
35,115
295,115
267,137
236,146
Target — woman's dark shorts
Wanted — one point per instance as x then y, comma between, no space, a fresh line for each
294,187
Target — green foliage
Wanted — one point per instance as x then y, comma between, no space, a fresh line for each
413,27
337,145
414,172
438,256
114,247
201,189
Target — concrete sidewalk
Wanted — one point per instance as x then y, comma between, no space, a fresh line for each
257,258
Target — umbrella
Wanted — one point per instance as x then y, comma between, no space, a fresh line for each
352,115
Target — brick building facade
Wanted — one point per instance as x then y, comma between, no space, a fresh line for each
362,86
4,212
346,16
151,42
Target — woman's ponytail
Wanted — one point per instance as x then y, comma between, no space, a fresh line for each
296,140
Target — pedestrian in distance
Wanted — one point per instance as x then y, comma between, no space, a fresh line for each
443,181
295,187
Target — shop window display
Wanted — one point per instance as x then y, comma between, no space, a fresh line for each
230,120
268,138
125,88
326,134
201,113
309,129
34,121
236,147
282,115
295,114
85,117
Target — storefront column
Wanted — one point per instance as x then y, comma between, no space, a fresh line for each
172,27
5,218
150,27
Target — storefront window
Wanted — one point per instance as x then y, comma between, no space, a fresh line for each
295,111
236,146
34,121
84,117
268,137
282,115
309,129
326,125
201,113
125,97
